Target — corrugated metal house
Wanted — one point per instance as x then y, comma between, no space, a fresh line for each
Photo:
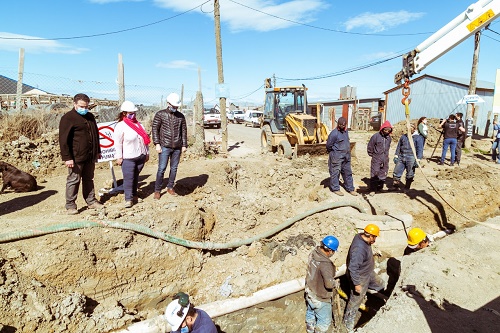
437,97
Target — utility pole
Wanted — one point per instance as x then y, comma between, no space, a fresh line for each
222,99
472,88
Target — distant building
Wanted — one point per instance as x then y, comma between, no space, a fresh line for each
9,86
437,97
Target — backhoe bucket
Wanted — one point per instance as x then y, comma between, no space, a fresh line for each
311,149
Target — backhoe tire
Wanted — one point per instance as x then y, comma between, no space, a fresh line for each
266,138
285,149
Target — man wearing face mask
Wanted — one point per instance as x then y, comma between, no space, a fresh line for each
183,317
339,158
170,139
79,144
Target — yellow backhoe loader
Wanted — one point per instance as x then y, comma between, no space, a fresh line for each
291,127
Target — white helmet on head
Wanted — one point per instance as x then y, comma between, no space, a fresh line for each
174,99
128,106
175,314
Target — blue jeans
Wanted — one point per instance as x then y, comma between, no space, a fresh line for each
452,143
494,149
419,141
404,162
174,154
318,314
131,167
340,164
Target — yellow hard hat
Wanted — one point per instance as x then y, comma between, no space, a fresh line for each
415,236
372,229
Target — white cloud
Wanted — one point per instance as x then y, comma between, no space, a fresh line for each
241,18
178,64
33,44
378,22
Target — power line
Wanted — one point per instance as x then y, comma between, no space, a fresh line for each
342,72
328,29
112,32
253,92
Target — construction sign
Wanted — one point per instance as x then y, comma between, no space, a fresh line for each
106,141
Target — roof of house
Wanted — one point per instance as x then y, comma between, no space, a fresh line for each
480,84
9,86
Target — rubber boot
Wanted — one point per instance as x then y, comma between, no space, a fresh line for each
408,184
396,184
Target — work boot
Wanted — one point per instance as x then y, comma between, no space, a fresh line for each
96,205
338,193
157,196
396,184
71,211
353,193
408,184
171,192
440,163
128,204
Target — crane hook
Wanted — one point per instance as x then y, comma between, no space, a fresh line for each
406,92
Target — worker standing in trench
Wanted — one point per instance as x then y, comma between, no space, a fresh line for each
360,265
320,285
183,317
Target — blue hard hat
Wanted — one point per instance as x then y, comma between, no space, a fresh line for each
331,242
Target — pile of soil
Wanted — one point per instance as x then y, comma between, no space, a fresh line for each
101,279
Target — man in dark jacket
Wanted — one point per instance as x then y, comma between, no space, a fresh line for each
450,128
170,139
460,137
339,158
378,150
320,285
79,144
360,265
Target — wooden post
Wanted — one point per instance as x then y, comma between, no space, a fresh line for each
121,80
472,85
222,100
19,91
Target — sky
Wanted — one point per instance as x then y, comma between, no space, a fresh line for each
169,44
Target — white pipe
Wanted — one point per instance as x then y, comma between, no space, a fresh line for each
158,324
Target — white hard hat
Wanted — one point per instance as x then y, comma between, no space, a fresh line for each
174,99
175,314
128,106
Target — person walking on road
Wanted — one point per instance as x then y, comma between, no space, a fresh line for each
320,286
132,151
339,158
80,150
360,265
378,149
460,137
170,140
404,160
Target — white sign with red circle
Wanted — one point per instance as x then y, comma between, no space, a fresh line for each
106,141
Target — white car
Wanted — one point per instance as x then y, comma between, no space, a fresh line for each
211,117
252,118
236,116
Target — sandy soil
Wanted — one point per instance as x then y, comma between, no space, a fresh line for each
101,279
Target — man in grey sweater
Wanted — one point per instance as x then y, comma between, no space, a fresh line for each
320,285
360,265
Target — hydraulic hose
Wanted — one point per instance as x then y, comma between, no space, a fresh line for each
18,235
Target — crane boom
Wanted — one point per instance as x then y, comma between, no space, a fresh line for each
474,18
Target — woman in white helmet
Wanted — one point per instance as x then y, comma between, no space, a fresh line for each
132,151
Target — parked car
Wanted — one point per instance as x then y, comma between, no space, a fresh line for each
252,118
211,117
375,121
236,116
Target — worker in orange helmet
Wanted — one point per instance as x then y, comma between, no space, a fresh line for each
360,265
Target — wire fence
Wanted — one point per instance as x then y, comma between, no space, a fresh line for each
43,92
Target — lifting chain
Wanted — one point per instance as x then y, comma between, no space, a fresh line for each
406,93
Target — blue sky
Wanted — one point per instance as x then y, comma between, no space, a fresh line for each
168,40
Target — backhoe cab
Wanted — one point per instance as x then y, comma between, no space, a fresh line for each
289,125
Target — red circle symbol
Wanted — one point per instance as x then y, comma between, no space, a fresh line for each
106,137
